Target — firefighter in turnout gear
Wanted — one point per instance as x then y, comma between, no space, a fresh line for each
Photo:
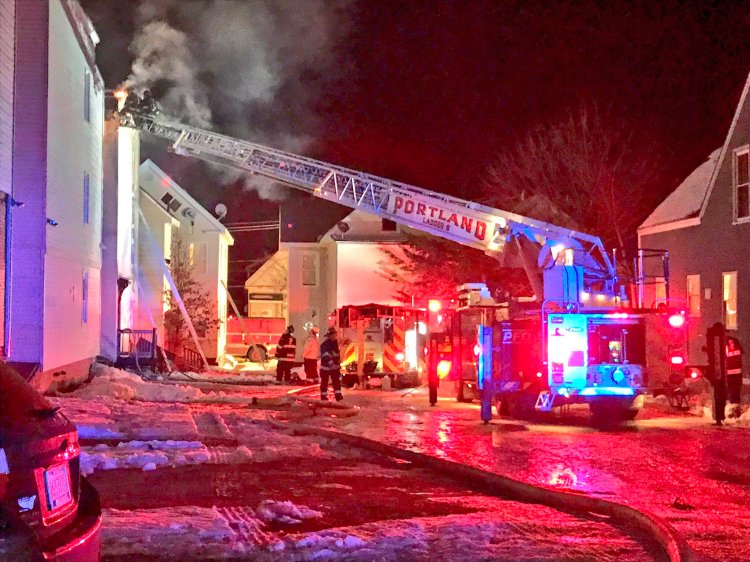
311,353
733,353
286,350
330,365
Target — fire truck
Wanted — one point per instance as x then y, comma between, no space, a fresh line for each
584,342
381,340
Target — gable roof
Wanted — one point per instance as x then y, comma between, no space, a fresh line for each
667,219
164,180
687,200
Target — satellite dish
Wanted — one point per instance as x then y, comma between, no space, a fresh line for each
189,213
221,211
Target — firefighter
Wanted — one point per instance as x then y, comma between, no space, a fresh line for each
733,354
286,350
311,353
148,104
330,366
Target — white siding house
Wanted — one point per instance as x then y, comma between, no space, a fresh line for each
54,314
7,74
341,268
170,212
120,291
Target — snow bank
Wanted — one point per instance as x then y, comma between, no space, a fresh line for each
149,455
285,512
227,376
122,385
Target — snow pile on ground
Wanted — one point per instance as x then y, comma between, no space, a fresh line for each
176,533
226,376
285,512
149,455
122,385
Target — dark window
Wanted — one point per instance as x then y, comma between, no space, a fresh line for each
741,185
87,96
617,343
86,194
388,226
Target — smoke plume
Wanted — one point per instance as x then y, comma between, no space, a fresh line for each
246,69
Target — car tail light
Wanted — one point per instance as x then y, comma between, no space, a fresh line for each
695,373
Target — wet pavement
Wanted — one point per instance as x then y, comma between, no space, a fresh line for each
677,466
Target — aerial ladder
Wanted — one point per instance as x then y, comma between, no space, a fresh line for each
541,245
591,350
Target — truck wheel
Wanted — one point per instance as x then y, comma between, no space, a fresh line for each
502,406
464,393
522,405
256,354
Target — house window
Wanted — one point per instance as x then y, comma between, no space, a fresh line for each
388,225
309,269
86,190
741,192
694,295
85,298
87,96
729,285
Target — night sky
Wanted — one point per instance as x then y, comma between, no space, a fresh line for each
427,92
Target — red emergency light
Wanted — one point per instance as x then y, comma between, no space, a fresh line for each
434,305
677,320
677,360
695,373
477,349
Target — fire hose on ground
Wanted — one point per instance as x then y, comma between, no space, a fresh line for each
665,534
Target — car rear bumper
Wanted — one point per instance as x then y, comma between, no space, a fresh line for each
81,540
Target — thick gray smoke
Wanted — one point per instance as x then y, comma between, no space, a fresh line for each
246,68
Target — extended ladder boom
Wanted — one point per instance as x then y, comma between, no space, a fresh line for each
465,222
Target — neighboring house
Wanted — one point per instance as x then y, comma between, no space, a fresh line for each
705,226
7,74
54,232
305,281
119,234
171,213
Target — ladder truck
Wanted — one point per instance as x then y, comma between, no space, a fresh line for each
581,344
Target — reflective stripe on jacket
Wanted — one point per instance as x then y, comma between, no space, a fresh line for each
734,362
330,358
286,349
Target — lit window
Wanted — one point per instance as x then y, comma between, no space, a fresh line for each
729,286
309,269
741,193
694,295
87,96
85,298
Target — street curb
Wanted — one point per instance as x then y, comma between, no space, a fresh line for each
667,536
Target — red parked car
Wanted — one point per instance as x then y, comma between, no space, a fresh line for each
47,510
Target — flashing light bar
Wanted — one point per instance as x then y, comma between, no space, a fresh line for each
607,391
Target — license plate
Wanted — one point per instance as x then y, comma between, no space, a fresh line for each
57,485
